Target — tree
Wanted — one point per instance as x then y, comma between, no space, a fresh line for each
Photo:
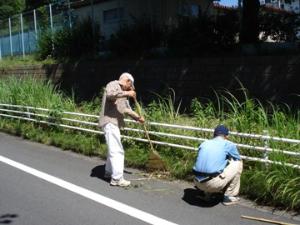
250,22
279,25
33,4
11,7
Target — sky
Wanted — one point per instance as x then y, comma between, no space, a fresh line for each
228,2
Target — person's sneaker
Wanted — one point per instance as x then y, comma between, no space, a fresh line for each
122,182
230,200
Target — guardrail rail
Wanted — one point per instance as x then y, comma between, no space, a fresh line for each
88,123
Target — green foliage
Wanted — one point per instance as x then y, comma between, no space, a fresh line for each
203,35
278,186
32,4
164,108
12,62
278,25
33,92
136,39
82,40
9,8
45,45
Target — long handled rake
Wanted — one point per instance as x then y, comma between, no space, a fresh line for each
154,161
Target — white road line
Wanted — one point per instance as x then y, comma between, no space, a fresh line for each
123,208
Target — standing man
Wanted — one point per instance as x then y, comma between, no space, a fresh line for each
115,105
219,166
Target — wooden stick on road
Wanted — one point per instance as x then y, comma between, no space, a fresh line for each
266,220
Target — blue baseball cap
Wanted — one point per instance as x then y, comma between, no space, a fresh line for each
221,130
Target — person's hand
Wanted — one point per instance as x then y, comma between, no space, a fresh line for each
141,119
131,94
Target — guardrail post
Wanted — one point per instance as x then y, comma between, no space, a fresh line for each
51,25
0,48
22,35
10,37
35,25
28,115
266,145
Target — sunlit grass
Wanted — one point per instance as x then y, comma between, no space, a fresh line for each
12,62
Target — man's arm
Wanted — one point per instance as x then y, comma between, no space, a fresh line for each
124,108
134,115
114,91
232,151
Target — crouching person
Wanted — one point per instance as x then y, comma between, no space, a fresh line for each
219,166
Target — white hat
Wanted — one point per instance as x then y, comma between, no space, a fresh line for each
128,76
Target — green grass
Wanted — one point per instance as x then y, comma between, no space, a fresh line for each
274,185
12,62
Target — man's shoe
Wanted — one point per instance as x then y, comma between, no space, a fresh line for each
122,182
230,200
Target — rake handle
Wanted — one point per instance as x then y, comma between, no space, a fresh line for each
266,220
148,137
139,111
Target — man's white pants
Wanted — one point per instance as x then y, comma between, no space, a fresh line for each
115,156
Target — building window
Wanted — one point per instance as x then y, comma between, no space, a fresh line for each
113,15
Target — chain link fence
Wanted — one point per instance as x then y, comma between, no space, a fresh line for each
19,34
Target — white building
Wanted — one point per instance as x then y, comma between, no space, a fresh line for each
111,14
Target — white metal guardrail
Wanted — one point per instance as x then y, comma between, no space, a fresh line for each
29,113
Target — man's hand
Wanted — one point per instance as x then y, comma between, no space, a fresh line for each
141,119
131,94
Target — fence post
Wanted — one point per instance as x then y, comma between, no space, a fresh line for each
69,14
51,25
22,35
28,110
266,145
51,19
10,37
1,48
35,25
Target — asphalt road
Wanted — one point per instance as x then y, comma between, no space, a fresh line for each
43,185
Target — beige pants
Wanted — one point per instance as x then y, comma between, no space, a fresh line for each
227,182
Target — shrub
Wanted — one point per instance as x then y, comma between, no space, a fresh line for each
203,35
82,40
136,39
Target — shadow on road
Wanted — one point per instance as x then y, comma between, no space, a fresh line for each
196,198
99,172
7,218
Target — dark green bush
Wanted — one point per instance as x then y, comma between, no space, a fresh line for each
45,46
203,35
136,39
82,40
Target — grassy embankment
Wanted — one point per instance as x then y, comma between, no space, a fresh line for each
271,185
